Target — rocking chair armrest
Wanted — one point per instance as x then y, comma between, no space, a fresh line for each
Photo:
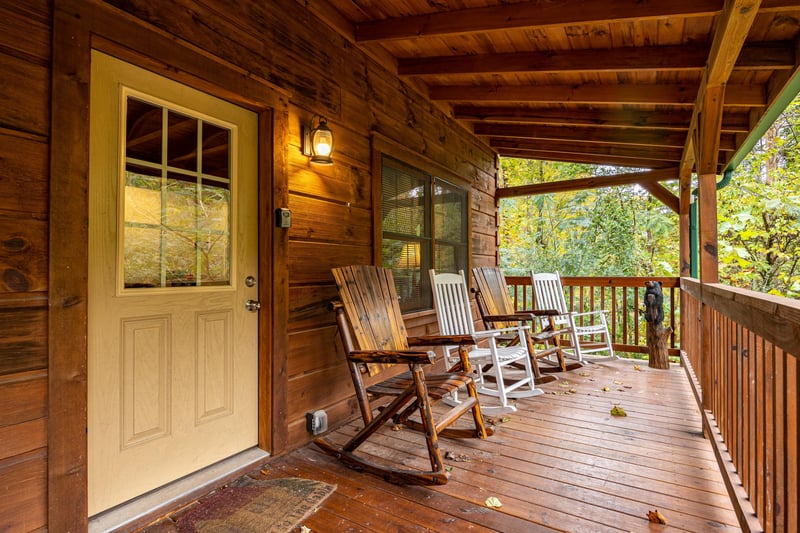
541,312
526,316
408,357
486,333
442,340
505,318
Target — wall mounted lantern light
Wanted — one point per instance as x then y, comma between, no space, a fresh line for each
318,141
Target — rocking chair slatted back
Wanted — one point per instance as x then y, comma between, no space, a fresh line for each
492,295
549,294
370,295
451,301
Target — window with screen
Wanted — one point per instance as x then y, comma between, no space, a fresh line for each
425,225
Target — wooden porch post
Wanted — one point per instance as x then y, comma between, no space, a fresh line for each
709,124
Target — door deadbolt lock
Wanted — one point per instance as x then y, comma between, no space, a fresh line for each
252,305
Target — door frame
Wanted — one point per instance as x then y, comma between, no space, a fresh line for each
79,27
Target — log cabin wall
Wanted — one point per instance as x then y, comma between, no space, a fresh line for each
282,44
24,175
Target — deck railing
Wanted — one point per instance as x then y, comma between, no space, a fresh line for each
622,297
742,349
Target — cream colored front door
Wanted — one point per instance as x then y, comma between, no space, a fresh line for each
173,254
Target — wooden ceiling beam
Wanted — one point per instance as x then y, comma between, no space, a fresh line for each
733,26
639,59
650,176
732,29
677,119
530,15
578,134
651,58
744,95
662,193
585,158
672,155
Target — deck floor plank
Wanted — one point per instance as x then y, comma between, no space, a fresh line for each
561,462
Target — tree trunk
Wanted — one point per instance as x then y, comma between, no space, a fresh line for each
657,334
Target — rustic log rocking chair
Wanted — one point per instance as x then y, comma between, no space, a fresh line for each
454,314
497,310
374,338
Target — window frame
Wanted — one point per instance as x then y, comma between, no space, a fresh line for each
381,147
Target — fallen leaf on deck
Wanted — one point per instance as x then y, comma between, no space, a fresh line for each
457,457
397,427
618,411
605,389
265,471
491,501
584,374
564,383
505,419
656,517
449,468
637,367
304,529
617,382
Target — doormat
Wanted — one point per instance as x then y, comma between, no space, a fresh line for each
255,505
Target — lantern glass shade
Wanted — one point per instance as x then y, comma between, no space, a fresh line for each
319,143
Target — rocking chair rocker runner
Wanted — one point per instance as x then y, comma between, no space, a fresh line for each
497,310
454,314
374,338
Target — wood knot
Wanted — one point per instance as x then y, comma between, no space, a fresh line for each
15,244
70,301
15,280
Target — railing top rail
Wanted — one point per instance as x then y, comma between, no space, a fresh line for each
775,318
603,281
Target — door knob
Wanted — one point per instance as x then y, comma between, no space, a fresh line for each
252,305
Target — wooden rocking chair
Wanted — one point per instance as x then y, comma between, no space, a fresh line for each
585,337
497,311
491,361
374,338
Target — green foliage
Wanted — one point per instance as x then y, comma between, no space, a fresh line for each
759,213
619,231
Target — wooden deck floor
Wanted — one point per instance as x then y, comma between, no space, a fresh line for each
560,463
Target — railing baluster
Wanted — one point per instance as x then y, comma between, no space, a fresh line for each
614,310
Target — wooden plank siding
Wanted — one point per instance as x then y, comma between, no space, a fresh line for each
25,43
264,48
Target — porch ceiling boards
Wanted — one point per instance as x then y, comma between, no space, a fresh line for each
617,82
560,463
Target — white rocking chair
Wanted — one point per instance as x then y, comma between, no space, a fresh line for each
585,337
494,377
